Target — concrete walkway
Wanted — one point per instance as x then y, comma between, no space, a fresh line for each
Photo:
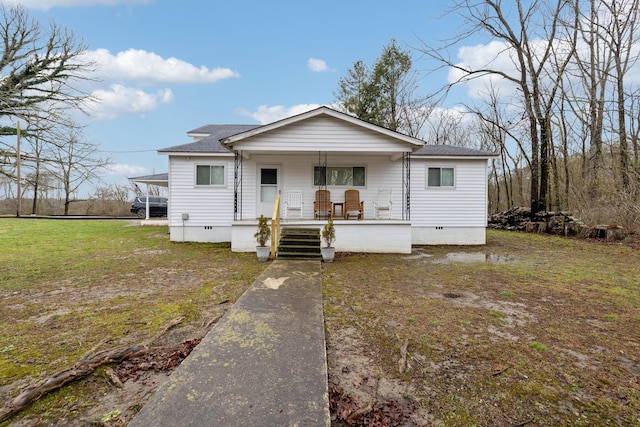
263,364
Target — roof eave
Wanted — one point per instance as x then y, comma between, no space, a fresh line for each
456,156
196,153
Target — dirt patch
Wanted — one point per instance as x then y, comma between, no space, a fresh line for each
360,392
123,388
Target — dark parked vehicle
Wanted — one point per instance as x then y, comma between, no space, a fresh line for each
157,206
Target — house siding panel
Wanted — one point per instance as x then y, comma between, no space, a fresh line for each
463,206
296,173
206,206
328,133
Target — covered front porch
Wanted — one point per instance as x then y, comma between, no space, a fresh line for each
366,235
331,154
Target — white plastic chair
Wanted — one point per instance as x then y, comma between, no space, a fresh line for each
294,204
382,207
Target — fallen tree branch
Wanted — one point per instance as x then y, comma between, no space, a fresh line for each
499,372
523,423
164,330
113,377
84,367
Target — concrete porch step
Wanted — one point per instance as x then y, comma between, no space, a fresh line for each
299,248
299,255
310,233
300,243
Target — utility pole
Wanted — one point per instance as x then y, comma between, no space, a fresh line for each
19,178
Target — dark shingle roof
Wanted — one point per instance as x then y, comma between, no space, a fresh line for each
211,143
450,150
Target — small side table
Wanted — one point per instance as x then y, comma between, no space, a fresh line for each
338,204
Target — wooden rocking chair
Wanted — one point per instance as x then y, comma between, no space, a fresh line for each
352,204
322,206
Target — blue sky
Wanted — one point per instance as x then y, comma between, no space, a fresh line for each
169,66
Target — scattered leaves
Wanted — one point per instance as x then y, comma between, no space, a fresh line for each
386,414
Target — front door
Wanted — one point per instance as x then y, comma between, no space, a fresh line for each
268,188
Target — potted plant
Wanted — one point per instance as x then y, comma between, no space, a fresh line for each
262,236
328,235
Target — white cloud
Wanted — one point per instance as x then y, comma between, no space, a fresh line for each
127,71
265,114
48,4
128,170
317,65
493,55
120,100
148,67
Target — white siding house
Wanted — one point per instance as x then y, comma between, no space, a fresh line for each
229,175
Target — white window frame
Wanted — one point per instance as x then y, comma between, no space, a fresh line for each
313,176
224,174
441,187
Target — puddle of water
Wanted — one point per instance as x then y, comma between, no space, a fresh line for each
466,257
418,255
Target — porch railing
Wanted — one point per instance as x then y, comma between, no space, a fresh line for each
275,226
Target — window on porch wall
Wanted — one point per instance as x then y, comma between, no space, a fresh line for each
352,176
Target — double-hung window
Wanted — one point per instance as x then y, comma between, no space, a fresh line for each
209,175
440,177
347,176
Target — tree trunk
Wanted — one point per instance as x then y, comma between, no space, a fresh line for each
544,164
622,132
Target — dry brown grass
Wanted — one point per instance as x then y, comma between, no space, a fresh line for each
527,329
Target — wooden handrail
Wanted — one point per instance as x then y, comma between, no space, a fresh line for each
275,227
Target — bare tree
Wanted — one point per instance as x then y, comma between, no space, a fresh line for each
620,38
76,164
587,100
112,199
531,37
35,178
449,127
39,70
501,129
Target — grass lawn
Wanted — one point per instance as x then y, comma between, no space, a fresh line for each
68,287
526,330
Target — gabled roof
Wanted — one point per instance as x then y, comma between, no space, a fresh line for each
221,138
450,150
318,112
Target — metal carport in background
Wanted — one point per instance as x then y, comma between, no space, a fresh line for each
159,180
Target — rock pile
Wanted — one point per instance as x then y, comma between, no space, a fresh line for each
520,219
